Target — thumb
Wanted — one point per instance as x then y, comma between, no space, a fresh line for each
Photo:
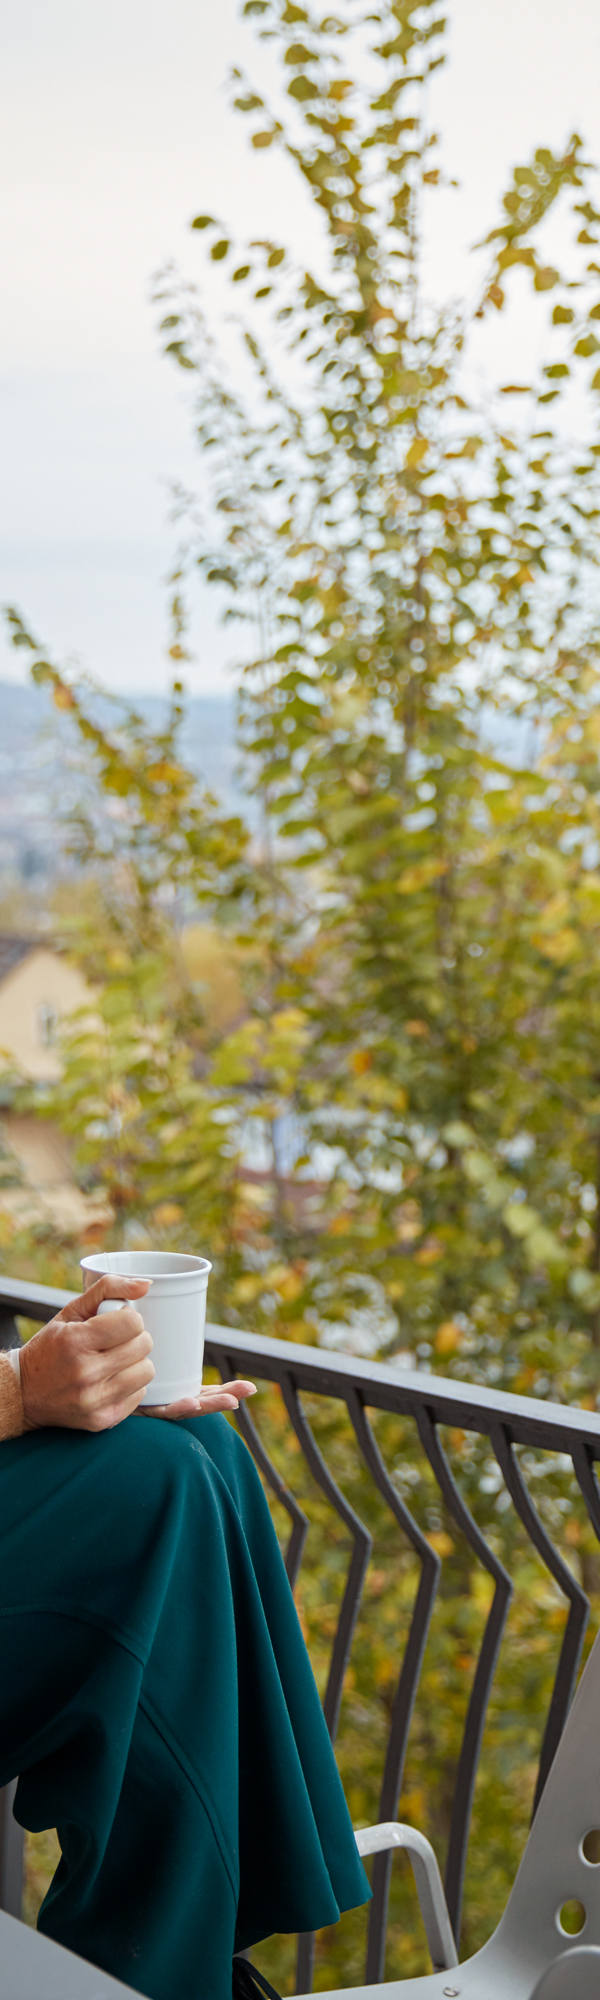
105,1287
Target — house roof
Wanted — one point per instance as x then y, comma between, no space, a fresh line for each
12,951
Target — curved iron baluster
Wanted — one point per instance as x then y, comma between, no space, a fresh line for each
583,1467
362,1544
295,1548
407,1682
484,1672
570,1652
9,1332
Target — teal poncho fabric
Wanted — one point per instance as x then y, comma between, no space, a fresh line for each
158,1704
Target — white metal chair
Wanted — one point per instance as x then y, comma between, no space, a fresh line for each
33,1967
533,1954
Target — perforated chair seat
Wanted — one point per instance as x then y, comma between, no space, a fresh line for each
531,1956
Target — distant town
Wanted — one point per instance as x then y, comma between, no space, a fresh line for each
39,781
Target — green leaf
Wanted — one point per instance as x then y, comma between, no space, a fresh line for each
545,277
219,250
250,102
456,1133
302,88
177,349
587,345
203,222
585,1287
519,1217
263,139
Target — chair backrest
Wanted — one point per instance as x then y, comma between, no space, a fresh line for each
555,1903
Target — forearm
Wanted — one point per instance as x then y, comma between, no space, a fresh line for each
12,1421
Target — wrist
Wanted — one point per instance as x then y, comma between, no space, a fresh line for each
12,1421
29,1423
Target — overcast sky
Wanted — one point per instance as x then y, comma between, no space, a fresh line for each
114,130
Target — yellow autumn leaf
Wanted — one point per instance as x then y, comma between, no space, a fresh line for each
360,1061
441,1542
419,876
558,945
248,1287
407,1222
430,1252
167,1214
281,1278
448,1337
417,451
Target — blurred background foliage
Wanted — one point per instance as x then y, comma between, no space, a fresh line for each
350,1048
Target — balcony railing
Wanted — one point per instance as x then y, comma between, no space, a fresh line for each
476,1455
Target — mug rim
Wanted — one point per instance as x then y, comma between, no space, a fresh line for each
183,1266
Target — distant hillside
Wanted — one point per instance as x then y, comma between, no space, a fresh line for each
36,782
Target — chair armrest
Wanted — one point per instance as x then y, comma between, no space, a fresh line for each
428,1883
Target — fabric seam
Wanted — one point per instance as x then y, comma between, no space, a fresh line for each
56,1609
176,1750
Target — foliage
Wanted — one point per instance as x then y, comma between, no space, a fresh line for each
416,928
426,577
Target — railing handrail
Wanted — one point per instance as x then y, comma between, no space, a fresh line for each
465,1405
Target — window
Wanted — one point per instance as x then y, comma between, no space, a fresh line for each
47,1019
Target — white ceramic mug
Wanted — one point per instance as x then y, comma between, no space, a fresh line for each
174,1311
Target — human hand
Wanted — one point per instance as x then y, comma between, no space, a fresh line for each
84,1370
222,1396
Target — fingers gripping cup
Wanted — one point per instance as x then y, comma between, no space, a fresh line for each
174,1312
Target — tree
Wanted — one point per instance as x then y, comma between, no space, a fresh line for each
425,575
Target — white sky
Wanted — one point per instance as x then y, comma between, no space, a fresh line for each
114,130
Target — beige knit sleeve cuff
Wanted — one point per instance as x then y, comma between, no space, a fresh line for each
12,1421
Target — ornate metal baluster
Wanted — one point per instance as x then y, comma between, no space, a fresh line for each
362,1544
584,1469
570,1652
9,1332
484,1672
407,1683
12,1854
349,1609
295,1548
